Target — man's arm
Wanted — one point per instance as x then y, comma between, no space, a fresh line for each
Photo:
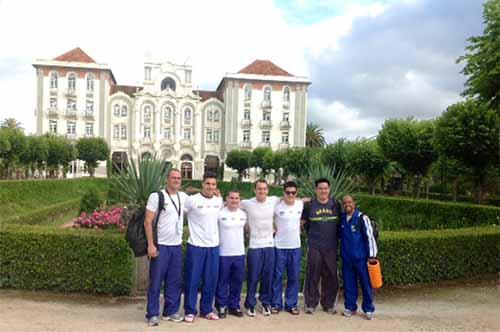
148,227
372,244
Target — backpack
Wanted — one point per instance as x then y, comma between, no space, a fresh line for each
374,225
136,233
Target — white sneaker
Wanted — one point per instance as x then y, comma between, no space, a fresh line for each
369,315
173,318
251,312
266,310
347,313
154,321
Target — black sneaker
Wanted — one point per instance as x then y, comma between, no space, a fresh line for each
235,312
222,312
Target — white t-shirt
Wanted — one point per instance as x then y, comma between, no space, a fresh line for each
202,213
170,224
231,233
287,220
260,221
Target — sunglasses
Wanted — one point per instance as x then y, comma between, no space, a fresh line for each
291,193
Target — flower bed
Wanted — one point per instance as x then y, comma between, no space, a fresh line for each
104,219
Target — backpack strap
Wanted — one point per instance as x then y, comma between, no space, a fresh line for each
161,203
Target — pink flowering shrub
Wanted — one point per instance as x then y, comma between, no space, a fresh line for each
105,219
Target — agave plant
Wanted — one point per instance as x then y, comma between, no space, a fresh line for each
139,179
340,180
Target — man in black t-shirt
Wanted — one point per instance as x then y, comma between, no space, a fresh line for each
321,219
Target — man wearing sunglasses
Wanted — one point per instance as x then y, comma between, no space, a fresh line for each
287,215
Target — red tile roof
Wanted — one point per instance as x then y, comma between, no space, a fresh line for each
75,55
205,95
264,67
127,89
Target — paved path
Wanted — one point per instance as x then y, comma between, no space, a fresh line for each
464,306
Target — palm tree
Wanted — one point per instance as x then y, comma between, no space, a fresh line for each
11,123
314,136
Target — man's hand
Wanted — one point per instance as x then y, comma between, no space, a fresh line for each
152,251
372,260
306,199
217,192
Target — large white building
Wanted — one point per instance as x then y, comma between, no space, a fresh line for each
261,105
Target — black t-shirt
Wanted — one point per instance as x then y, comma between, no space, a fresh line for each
322,223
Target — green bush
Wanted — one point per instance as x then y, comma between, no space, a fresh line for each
44,215
246,188
90,201
411,214
19,197
425,256
35,257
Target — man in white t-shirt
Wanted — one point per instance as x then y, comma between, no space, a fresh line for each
202,254
287,215
260,254
232,221
165,265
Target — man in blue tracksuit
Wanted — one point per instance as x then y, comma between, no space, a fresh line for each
358,246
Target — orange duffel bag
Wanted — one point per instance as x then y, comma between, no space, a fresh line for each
375,273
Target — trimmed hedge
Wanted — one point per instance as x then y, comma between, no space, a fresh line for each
394,213
17,197
425,256
34,257
246,188
44,215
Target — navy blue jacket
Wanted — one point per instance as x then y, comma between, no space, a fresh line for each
356,244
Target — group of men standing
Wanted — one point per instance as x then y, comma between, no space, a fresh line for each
215,255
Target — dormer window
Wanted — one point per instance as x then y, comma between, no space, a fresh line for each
124,110
168,83
147,114
216,116
167,114
187,116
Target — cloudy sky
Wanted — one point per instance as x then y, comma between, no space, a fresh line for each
368,60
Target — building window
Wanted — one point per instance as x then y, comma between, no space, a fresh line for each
187,116
147,132
266,116
167,114
248,93
216,116
147,114
187,134
209,136
286,116
266,136
71,81
116,131
216,136
53,80
90,82
168,83
90,106
53,126
53,103
89,129
124,110
147,73
246,135
167,133
284,137
123,131
267,93
116,110
71,104
286,94
71,128
246,114
210,116
188,76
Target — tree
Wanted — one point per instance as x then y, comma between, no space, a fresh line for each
257,159
34,157
11,123
61,152
367,160
337,154
92,150
14,143
238,160
274,161
483,59
314,136
410,143
469,132
296,160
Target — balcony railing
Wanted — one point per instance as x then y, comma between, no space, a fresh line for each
53,91
286,104
53,112
285,124
71,92
88,114
246,145
266,104
186,142
146,140
283,146
265,124
71,136
265,144
166,141
245,123
71,113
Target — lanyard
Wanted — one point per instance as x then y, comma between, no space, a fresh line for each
178,209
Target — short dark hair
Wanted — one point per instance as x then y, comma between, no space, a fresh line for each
290,184
261,181
209,175
172,170
321,180
234,191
